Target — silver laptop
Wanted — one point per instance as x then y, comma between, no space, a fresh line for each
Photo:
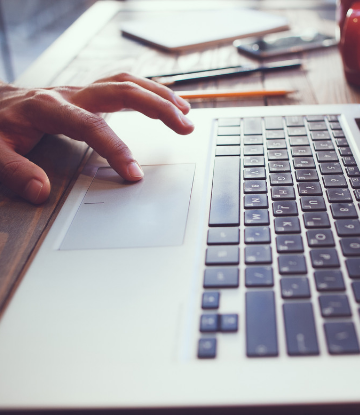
228,277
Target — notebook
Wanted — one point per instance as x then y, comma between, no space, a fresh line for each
195,29
228,277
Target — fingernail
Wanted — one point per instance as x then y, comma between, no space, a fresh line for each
135,171
33,189
185,120
180,101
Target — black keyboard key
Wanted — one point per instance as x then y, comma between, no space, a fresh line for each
287,225
223,236
221,278
338,195
353,267
296,131
355,182
289,244
320,135
294,121
306,175
252,126
357,194
309,188
334,305
253,139
254,173
279,166
317,126
227,151
323,145
304,163
273,123
312,203
285,208
282,193
329,280
228,140
222,255
259,277
350,246
326,156
312,118
300,329
207,348
338,134
255,201
261,330
352,171
332,118
254,161
342,142
301,151
254,150
299,141
255,186
347,227
258,254
256,217
275,134
275,144
316,220
280,179
228,130
210,300
334,180
209,323
296,287
345,151
229,323
225,197
335,125
320,238
278,154
257,235
324,258
341,338
356,289
330,168
232,122
292,264
349,161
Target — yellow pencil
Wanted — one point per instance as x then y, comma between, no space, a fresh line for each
211,94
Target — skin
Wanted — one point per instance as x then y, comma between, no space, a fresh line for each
27,114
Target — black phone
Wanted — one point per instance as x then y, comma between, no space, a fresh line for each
279,44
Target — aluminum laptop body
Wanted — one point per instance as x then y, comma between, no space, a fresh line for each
116,309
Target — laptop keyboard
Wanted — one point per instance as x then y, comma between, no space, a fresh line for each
286,189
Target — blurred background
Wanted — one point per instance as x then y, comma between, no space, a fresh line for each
28,27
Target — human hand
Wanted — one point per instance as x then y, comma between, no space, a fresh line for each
27,114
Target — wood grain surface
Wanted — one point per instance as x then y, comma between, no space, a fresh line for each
104,53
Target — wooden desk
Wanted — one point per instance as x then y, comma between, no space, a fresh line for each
93,48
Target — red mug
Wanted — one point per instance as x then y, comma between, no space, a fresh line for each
348,17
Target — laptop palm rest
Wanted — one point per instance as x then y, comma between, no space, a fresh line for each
119,214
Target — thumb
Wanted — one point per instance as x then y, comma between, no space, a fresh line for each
23,177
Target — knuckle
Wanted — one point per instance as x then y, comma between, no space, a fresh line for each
39,97
9,169
124,76
93,123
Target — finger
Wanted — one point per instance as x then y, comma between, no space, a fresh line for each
152,86
110,97
82,125
23,177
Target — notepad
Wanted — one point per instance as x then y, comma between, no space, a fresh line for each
185,30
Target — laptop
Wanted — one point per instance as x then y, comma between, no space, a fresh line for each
227,278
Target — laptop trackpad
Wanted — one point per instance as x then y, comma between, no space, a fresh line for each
119,214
